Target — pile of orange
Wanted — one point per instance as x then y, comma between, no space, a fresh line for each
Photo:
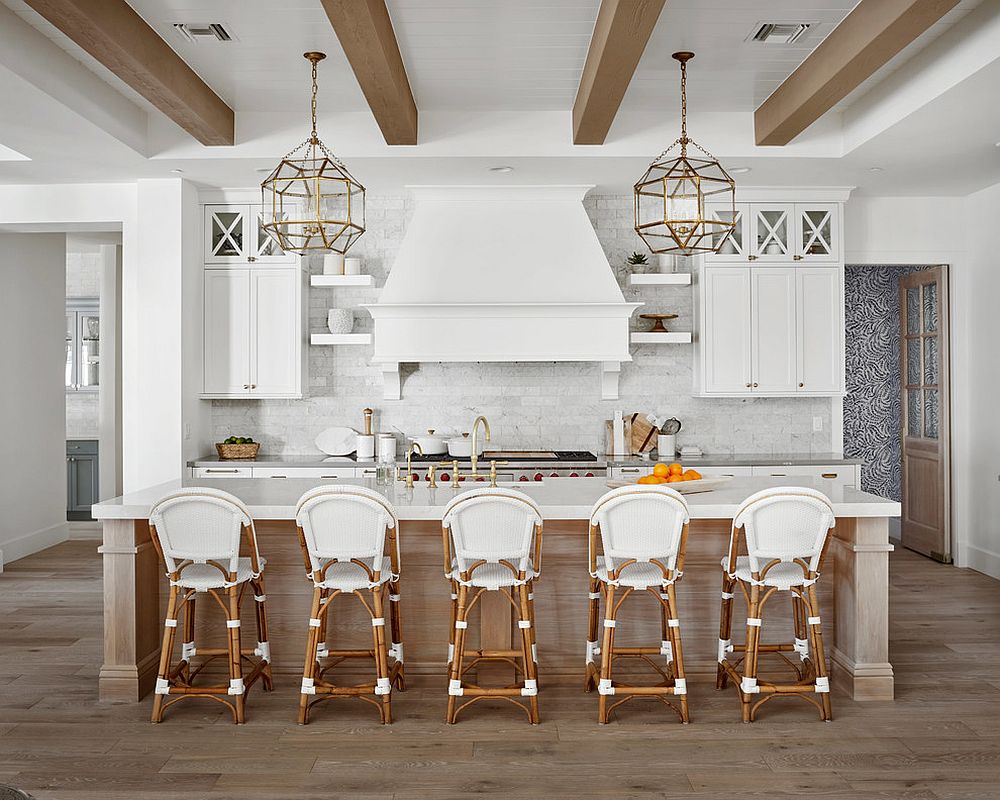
670,473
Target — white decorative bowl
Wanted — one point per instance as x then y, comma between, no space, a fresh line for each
340,320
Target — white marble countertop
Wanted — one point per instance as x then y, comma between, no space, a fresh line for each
559,498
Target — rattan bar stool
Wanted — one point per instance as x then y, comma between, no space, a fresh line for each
643,535
345,533
786,532
197,533
492,543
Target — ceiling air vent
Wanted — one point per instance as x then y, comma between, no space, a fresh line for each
202,31
778,32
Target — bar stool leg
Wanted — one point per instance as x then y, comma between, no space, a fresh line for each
605,687
819,656
188,648
725,628
454,618
382,685
396,632
236,688
263,649
674,631
455,676
534,634
309,671
530,668
748,685
801,633
166,649
594,601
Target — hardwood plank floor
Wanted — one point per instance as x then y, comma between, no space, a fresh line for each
940,740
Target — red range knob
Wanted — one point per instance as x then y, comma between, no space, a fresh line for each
480,479
589,475
416,477
427,477
461,478
554,475
538,476
574,475
523,478
445,476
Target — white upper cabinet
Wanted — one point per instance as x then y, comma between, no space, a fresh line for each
780,233
724,336
227,332
819,309
772,331
234,234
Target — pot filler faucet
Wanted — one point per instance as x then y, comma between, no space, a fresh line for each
474,456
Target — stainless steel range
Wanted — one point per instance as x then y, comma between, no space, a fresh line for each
520,466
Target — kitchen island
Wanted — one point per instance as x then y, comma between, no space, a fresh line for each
853,589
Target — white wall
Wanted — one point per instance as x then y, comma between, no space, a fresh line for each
980,311
33,400
932,230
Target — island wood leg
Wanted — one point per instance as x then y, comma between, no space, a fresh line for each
860,656
131,611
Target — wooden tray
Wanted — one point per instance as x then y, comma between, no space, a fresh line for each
684,487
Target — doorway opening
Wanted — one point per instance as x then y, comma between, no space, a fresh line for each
896,405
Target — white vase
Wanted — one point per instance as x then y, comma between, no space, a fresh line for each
667,262
352,266
340,320
333,264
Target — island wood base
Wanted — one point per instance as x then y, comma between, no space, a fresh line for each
853,594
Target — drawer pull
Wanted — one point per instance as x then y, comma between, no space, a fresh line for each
829,475
228,471
279,476
329,476
779,474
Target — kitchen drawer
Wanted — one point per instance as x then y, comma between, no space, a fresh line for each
840,474
624,473
221,472
303,472
723,472
81,447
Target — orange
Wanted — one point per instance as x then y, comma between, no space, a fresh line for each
692,475
675,469
646,479
661,470
675,479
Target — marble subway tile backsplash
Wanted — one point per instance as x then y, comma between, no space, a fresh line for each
529,405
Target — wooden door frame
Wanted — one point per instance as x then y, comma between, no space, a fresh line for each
944,400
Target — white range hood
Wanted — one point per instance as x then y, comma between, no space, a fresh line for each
512,273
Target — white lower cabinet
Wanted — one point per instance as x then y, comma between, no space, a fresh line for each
305,472
253,332
838,474
221,472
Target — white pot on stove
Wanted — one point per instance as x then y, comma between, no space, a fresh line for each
461,446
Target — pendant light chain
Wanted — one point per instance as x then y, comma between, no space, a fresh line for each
315,137
684,109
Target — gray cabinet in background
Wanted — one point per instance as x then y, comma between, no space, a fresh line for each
81,478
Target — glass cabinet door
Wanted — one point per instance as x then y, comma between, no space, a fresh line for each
817,234
772,232
225,234
70,350
267,249
90,351
731,247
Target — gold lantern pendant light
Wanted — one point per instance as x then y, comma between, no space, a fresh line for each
671,197
312,204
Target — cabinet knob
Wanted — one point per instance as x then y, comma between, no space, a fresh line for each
253,385
801,385
246,385
748,385
755,386
796,258
751,258
252,258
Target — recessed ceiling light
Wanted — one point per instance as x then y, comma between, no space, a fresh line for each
739,170
501,170
177,170
874,169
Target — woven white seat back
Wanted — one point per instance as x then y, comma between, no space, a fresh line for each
785,523
492,524
200,524
344,522
641,523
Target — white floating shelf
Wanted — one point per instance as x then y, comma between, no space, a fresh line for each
660,279
340,338
341,280
670,337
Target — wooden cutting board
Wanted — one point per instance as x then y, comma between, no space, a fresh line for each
643,432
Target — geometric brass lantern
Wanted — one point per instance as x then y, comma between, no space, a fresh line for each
312,204
670,198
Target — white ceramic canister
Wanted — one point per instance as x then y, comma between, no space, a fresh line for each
366,447
352,266
666,445
333,264
386,447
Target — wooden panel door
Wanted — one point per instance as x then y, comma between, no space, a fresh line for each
274,356
923,303
726,329
819,311
772,338
227,332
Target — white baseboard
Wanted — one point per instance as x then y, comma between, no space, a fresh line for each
34,542
982,560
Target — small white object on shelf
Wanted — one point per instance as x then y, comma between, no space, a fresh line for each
333,264
340,320
340,338
660,278
341,280
667,261
352,266
670,337
337,441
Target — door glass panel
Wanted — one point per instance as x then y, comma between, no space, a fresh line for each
266,246
816,234
772,233
930,308
90,349
732,244
227,233
913,421
913,310
70,333
931,413
931,360
913,362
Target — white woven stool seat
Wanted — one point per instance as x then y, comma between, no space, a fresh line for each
781,576
640,575
490,576
203,577
347,576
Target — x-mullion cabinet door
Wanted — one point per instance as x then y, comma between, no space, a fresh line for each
229,237
817,232
771,232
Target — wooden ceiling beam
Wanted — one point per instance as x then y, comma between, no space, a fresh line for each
621,32
867,38
113,33
369,42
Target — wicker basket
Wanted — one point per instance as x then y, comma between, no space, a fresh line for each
229,451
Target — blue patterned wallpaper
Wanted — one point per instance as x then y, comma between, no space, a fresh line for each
872,413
